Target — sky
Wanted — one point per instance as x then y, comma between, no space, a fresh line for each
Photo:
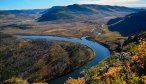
40,4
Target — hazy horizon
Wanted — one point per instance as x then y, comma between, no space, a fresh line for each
65,5
38,4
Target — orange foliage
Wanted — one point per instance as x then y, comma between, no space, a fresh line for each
96,77
140,52
112,71
75,81
144,79
128,68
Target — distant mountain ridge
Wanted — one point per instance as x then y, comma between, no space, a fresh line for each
139,7
29,11
130,24
84,12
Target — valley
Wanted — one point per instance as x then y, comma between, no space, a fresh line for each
71,44
28,22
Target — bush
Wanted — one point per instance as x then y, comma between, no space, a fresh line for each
15,81
75,81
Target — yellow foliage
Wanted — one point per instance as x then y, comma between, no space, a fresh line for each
75,81
15,81
140,52
112,71
144,79
40,83
96,77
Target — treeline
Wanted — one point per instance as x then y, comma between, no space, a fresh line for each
39,60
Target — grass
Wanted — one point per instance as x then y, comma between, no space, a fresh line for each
60,29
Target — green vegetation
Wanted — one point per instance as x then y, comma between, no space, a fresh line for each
112,40
40,60
128,67
25,61
20,81
5,36
15,81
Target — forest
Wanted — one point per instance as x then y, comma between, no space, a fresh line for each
39,59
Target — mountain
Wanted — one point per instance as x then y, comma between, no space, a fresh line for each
130,24
30,14
135,39
85,12
29,11
53,8
4,14
139,7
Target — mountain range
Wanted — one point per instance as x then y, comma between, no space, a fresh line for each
29,11
85,12
10,13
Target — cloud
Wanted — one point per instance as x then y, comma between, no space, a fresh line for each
114,2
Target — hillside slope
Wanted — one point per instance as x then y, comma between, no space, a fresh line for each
85,12
39,60
126,67
130,24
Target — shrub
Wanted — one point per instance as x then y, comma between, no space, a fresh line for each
15,81
75,81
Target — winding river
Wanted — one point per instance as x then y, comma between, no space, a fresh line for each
101,53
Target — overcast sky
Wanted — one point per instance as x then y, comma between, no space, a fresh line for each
39,4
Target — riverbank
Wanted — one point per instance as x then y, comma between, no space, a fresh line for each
62,57
126,67
92,56
113,44
101,52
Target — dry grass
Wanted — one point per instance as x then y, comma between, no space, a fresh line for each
108,33
59,28
74,29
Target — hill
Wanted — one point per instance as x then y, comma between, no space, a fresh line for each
20,14
39,60
29,11
130,24
85,12
4,14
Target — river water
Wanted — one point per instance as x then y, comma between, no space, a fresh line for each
100,51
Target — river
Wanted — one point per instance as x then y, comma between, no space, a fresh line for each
101,53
